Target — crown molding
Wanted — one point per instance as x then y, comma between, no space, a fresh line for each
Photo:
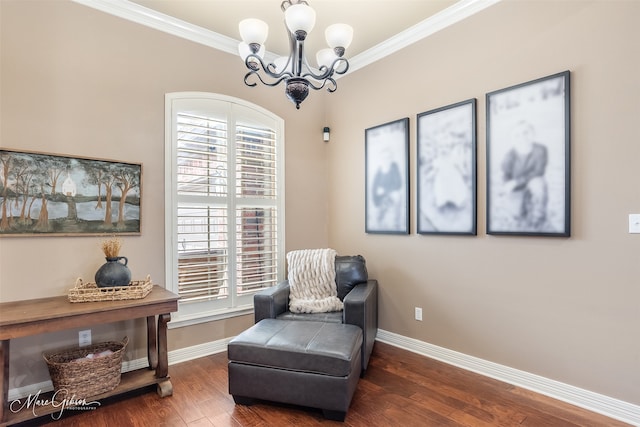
141,15
441,20
165,23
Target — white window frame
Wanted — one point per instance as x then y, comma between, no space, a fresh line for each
194,313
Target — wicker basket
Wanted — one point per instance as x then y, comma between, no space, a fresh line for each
90,292
71,374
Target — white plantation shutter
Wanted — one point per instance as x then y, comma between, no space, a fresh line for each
256,216
224,176
201,160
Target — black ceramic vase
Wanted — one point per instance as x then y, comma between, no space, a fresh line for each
113,273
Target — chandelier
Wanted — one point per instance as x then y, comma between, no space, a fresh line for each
294,70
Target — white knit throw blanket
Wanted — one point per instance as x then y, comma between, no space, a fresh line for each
312,281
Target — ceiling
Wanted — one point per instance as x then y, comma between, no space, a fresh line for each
373,21
381,27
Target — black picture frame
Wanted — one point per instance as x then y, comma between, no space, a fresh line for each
446,170
528,158
387,178
45,194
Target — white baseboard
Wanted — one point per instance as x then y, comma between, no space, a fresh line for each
200,350
589,400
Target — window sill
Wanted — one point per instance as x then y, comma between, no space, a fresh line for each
180,321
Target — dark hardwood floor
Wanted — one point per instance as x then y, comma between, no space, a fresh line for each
400,388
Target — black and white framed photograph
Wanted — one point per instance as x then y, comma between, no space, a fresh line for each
387,178
528,158
446,181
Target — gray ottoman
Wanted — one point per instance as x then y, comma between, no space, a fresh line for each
305,363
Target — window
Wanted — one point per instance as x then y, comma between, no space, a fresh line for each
224,185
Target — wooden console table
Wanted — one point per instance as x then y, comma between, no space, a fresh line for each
38,316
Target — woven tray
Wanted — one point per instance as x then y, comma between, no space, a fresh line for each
90,292
72,375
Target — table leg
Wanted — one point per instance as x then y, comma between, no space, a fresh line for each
165,388
4,378
162,370
152,342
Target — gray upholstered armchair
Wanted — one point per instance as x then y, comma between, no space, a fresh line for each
358,293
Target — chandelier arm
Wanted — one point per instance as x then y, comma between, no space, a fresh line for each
255,64
257,74
327,72
292,53
270,70
313,86
346,65
326,81
246,79
333,86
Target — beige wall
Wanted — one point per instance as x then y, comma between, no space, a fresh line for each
77,81
80,82
564,308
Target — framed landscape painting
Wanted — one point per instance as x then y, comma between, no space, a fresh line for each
446,170
387,178
46,194
528,158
